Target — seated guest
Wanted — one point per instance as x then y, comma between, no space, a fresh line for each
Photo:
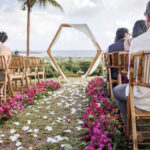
138,29
5,51
121,35
141,94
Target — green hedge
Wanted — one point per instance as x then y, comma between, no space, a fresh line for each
71,66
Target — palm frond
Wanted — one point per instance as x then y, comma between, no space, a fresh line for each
52,2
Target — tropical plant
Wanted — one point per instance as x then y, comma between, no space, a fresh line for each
28,4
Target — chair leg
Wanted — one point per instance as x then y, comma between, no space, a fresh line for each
22,86
119,79
134,132
30,81
128,120
27,82
110,83
16,85
133,118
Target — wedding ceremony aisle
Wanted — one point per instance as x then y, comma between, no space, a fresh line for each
52,122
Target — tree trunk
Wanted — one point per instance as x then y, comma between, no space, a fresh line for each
28,31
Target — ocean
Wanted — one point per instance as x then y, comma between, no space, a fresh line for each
62,53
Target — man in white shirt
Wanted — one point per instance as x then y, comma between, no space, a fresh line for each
141,94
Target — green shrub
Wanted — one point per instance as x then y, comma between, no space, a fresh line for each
71,66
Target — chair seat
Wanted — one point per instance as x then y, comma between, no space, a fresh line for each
15,76
40,73
32,74
142,114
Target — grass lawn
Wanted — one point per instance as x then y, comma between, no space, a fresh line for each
51,122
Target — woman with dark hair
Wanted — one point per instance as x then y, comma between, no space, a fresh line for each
5,51
138,29
121,33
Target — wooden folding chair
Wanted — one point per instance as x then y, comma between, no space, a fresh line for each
123,61
40,64
111,61
30,69
16,72
139,76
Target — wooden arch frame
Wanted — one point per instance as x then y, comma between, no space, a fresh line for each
55,63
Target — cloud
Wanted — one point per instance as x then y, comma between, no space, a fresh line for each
102,16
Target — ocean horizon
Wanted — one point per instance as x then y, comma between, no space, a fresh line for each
62,53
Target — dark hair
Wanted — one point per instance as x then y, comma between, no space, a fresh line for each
147,11
120,33
3,37
139,28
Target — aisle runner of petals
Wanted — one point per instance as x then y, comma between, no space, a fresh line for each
53,120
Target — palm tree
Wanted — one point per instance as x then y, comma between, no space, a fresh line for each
29,5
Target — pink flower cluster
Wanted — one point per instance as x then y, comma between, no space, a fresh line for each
100,118
13,105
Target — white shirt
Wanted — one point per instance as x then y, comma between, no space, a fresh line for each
141,94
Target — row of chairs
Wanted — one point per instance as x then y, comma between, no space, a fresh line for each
139,75
118,61
22,69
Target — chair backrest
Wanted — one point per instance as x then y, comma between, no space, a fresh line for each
30,63
40,63
16,66
140,69
123,61
114,60
106,59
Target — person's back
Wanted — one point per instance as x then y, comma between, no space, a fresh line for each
141,43
5,51
117,46
121,35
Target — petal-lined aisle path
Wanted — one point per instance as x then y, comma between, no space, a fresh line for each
53,123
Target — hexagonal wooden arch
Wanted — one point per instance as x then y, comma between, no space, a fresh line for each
84,28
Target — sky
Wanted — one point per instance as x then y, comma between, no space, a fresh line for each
102,16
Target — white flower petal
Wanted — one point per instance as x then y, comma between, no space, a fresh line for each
73,110
67,131
52,140
19,148
44,117
17,123
25,128
35,135
2,135
18,143
48,128
36,130
14,137
78,128
1,141
27,114
29,131
12,131
29,122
